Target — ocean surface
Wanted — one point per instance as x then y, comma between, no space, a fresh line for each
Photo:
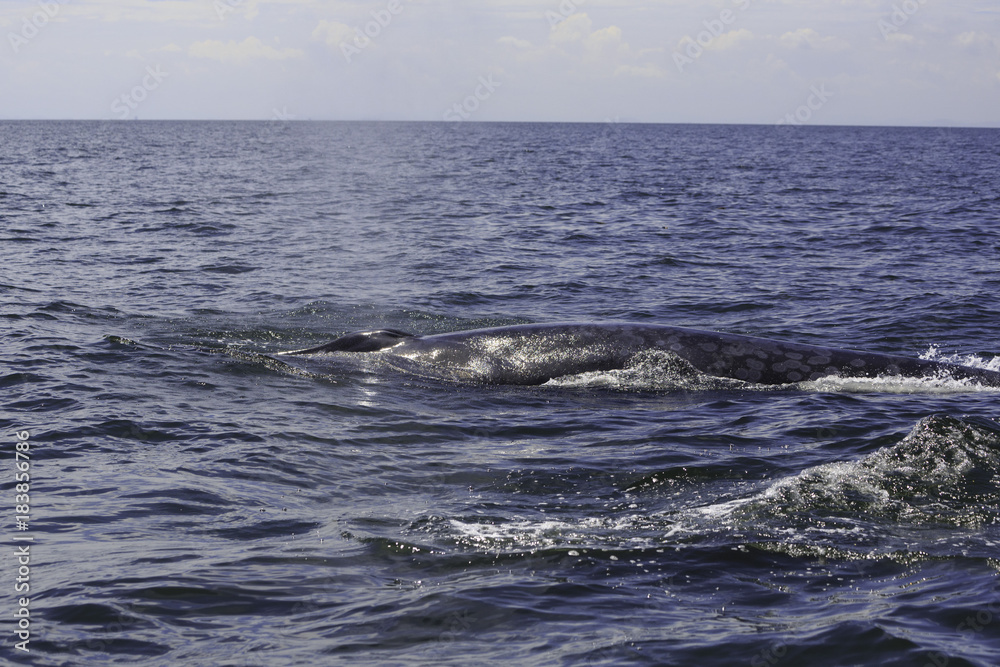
196,501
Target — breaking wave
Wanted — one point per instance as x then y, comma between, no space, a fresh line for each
935,492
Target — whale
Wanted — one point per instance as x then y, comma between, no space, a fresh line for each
533,354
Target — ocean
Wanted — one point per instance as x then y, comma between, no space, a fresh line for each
177,495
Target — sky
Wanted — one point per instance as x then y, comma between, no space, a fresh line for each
820,62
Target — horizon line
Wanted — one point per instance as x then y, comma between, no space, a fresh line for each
942,124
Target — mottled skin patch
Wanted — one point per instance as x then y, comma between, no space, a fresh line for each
535,353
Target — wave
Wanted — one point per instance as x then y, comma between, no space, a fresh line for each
946,471
934,493
934,353
657,370
654,370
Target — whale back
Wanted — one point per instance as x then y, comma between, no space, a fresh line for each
535,353
360,341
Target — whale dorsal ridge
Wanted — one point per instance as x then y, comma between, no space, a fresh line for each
360,341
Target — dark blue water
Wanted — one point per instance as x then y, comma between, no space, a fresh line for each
194,501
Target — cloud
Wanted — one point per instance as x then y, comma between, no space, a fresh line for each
579,29
232,51
516,42
332,33
600,41
730,40
977,42
900,38
647,71
574,46
249,8
252,10
573,29
807,38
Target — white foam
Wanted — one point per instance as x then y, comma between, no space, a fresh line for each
652,370
542,534
832,482
657,370
609,379
721,510
933,353
896,384
918,481
538,532
884,384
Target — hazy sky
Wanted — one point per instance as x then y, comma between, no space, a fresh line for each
884,62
